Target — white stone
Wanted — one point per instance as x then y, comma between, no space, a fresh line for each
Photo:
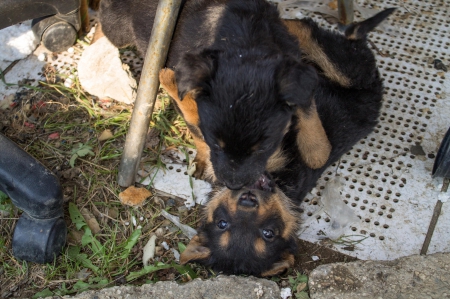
285,293
17,42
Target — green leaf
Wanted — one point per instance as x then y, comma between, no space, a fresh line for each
3,196
72,160
80,286
75,150
76,216
301,295
83,286
147,270
73,251
85,150
43,294
302,278
130,242
181,247
87,237
83,259
185,270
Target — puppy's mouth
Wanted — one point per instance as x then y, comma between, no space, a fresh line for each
264,183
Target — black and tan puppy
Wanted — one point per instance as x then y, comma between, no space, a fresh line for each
243,72
253,230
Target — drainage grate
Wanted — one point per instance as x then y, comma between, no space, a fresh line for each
387,175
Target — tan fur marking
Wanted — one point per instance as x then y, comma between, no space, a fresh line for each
225,240
288,261
312,141
188,105
211,207
277,161
203,163
290,219
354,35
194,251
232,203
221,143
98,33
260,247
314,53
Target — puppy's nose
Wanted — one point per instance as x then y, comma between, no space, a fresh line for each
248,199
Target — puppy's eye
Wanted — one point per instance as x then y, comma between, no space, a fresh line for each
222,224
268,234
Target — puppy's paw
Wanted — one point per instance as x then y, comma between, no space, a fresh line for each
199,168
204,170
167,81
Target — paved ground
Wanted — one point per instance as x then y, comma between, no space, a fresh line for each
410,277
222,287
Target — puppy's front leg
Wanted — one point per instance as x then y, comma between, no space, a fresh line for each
188,108
312,141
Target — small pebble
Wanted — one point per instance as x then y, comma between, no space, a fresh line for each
183,210
70,50
439,65
159,232
170,202
285,293
41,57
176,254
164,244
68,83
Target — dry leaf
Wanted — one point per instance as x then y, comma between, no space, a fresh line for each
133,196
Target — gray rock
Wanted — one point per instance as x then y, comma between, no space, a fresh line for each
409,277
102,73
221,287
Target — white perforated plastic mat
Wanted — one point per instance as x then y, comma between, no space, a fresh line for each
389,188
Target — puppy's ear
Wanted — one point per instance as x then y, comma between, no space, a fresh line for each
296,83
360,30
195,251
195,70
280,267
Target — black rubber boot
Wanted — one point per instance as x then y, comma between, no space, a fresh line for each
41,231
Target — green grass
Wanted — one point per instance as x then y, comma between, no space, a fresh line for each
88,174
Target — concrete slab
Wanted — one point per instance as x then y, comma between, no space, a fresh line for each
408,277
221,287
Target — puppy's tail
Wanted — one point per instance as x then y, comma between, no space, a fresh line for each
360,30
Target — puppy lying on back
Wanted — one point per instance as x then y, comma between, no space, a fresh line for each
243,74
253,230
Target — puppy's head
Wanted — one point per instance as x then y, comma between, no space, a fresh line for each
245,104
248,231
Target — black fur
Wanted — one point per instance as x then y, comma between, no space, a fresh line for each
244,67
348,113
